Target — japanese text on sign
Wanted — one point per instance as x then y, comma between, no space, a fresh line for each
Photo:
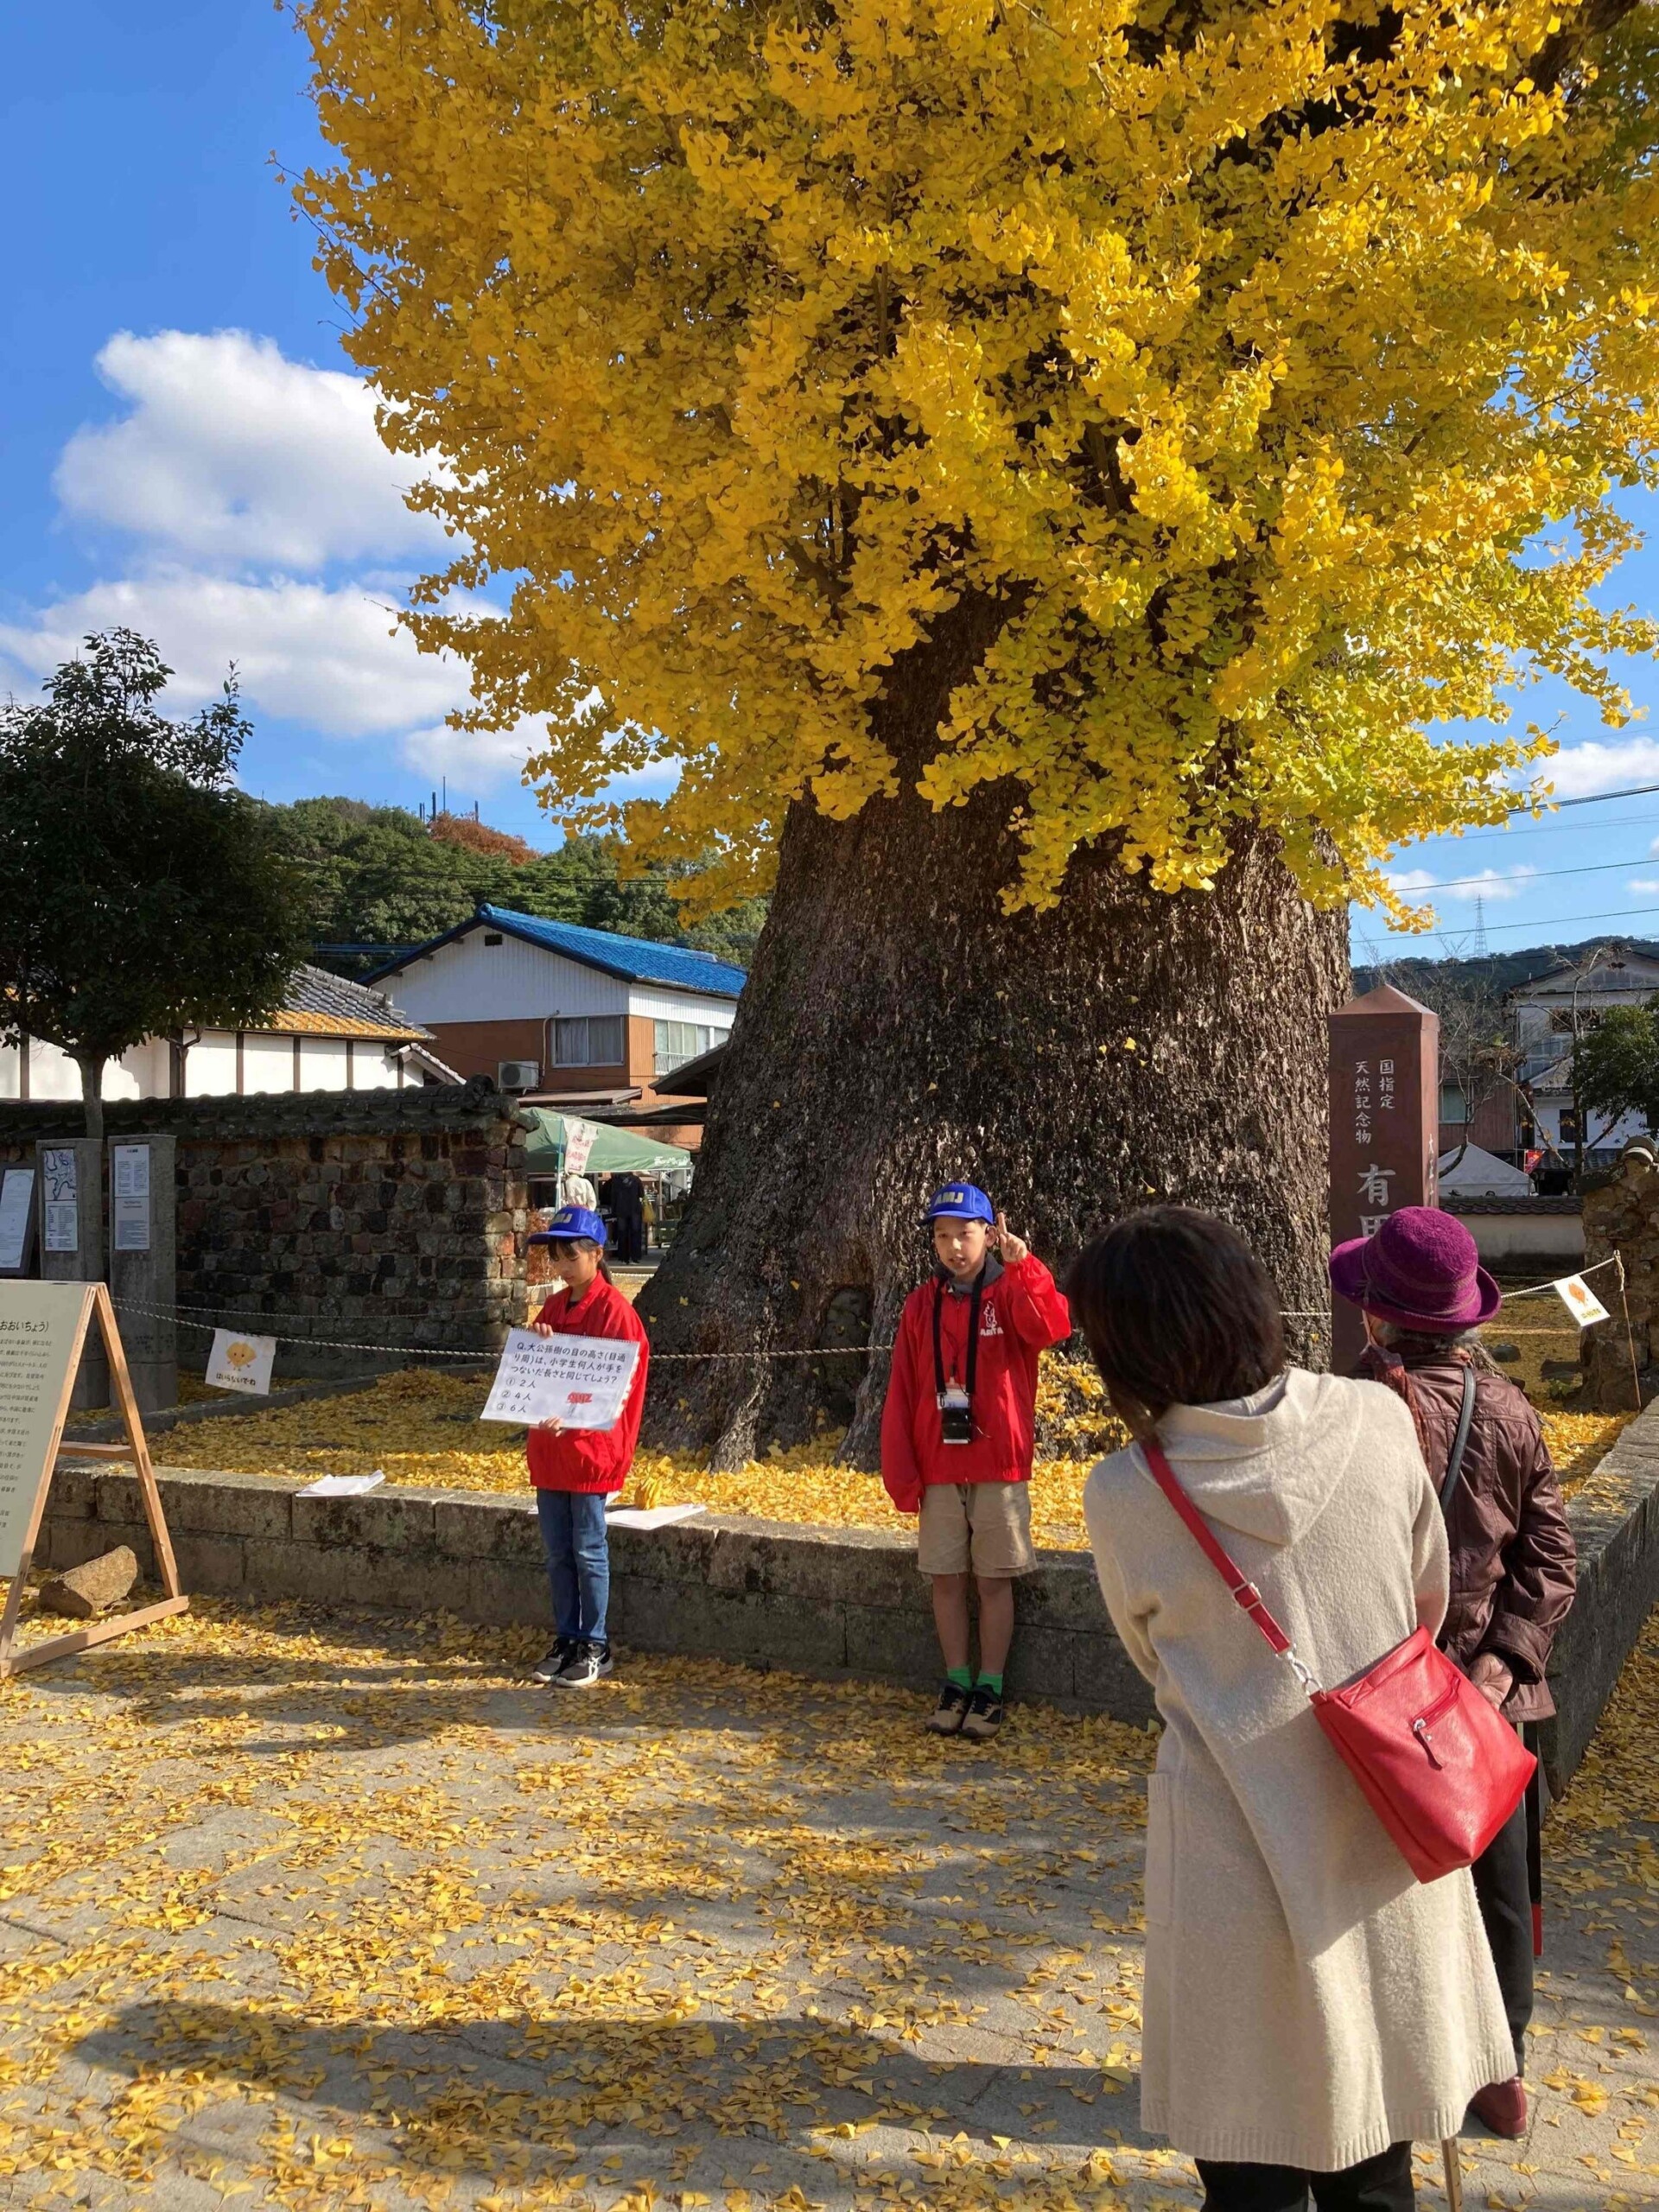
581,1382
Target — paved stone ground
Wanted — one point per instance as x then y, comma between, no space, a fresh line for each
321,1911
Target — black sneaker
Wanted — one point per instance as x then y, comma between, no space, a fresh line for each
984,1714
562,1651
947,1716
587,1664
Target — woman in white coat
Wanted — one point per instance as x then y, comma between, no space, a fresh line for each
1310,2007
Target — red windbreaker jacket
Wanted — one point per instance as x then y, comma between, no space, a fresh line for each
592,1458
1021,1311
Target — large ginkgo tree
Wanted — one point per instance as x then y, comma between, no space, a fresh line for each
1049,486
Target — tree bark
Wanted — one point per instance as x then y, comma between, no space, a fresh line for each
92,1067
900,1030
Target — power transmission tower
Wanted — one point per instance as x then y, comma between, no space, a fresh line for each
1478,948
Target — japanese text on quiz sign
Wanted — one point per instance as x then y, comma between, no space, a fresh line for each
1372,1097
583,1381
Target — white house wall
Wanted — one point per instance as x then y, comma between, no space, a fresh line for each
656,1005
323,1064
53,1074
470,981
267,1064
372,1067
210,1066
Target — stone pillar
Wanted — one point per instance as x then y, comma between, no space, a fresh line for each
70,1197
1385,1129
143,1267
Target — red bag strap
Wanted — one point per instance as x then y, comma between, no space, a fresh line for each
1245,1594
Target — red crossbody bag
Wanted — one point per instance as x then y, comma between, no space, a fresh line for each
1439,1766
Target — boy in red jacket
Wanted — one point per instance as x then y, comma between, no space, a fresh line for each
574,1469
958,1434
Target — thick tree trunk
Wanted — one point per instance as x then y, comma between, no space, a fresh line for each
898,1030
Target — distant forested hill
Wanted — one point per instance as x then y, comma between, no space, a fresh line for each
378,875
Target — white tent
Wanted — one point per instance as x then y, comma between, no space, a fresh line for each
1480,1174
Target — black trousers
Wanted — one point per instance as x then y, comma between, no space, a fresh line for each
1380,2184
1504,1891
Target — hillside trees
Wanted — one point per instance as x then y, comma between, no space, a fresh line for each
1055,481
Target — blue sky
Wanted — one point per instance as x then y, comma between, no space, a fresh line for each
183,448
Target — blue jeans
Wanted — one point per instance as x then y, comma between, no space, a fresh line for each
578,1560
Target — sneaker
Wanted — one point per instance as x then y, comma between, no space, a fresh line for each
1501,2109
984,1714
587,1664
946,1718
560,1654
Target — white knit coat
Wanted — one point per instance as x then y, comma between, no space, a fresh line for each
1308,2002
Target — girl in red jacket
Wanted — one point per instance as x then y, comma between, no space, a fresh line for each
958,1431
574,1469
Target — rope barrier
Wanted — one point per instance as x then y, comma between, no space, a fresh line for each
227,1316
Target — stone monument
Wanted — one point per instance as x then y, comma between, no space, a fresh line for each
1385,1129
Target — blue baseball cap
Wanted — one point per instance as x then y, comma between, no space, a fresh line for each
960,1201
570,1223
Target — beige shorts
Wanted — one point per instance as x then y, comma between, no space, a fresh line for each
986,1526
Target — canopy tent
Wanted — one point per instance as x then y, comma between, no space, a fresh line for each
615,1150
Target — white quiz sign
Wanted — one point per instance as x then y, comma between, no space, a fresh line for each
583,1381
39,1335
240,1363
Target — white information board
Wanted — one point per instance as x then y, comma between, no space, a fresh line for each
60,1207
241,1362
16,1201
40,1338
130,1198
583,1381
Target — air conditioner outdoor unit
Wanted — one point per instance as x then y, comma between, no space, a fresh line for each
518,1075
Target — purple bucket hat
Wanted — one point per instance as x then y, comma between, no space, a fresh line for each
1420,1270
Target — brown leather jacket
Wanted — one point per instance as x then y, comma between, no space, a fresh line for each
1514,1563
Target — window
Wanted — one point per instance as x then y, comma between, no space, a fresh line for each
1454,1110
680,1041
592,1040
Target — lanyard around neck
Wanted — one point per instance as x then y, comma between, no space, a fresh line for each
974,1296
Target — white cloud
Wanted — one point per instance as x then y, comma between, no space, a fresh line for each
335,658
232,456
1582,770
1490,883
1644,883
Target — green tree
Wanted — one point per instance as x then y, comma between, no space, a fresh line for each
143,893
1617,1067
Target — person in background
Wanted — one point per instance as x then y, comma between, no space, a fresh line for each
958,1434
1425,1296
1310,2007
628,1196
573,1470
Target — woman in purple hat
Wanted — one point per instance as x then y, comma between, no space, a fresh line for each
1425,1295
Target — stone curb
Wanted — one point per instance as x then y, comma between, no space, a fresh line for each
826,1602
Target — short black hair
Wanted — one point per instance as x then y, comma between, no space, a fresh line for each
1176,1309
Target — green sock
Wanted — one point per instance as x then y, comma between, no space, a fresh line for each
992,1682
962,1677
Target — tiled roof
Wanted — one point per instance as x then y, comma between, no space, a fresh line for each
635,959
321,1005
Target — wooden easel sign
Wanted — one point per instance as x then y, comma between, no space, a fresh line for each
42,1329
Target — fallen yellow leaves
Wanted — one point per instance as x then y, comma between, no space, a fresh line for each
422,1427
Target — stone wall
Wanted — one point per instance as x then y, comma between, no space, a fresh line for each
1621,1214
388,1218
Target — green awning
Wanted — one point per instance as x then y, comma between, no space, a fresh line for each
615,1150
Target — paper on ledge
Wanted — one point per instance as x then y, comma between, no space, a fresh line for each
342,1485
649,1516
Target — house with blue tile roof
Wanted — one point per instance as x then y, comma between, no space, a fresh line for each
573,1017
